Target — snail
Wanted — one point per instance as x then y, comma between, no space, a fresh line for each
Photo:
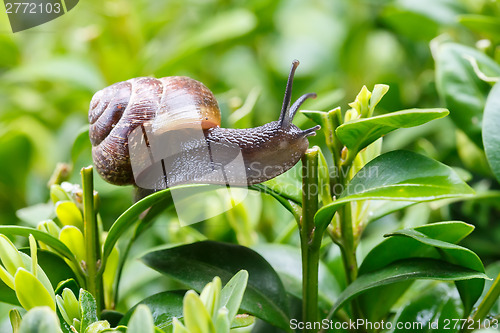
157,133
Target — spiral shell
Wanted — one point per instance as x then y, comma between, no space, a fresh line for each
163,104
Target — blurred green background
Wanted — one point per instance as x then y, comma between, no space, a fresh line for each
241,50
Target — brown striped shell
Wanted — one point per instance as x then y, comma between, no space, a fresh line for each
168,103
170,128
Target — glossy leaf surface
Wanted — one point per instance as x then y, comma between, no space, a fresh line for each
131,215
404,270
196,264
463,91
430,241
54,266
164,307
435,307
141,321
401,176
491,130
53,242
359,133
287,262
31,292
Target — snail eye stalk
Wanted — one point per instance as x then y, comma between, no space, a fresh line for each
311,131
287,112
288,94
295,107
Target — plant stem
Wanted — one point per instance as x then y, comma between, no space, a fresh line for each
309,239
92,244
348,248
145,223
347,241
121,265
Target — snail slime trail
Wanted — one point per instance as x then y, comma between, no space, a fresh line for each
157,133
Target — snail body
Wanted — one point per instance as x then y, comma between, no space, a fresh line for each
157,133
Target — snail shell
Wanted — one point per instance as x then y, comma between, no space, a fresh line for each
178,119
166,103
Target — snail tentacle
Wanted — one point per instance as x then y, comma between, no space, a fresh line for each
157,133
288,95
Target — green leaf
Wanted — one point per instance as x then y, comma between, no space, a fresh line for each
8,295
232,293
32,215
379,90
141,321
71,304
73,238
196,264
57,193
131,215
112,316
421,19
54,266
454,253
69,284
209,296
196,317
98,327
40,320
68,214
178,327
39,274
488,26
164,307
123,329
88,309
11,259
438,303
378,301
81,142
458,84
328,121
401,176
473,158
470,291
359,133
319,117
109,275
15,320
380,208
31,292
441,236
409,23
403,270
287,262
384,253
491,133
221,323
41,236
490,290
242,320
